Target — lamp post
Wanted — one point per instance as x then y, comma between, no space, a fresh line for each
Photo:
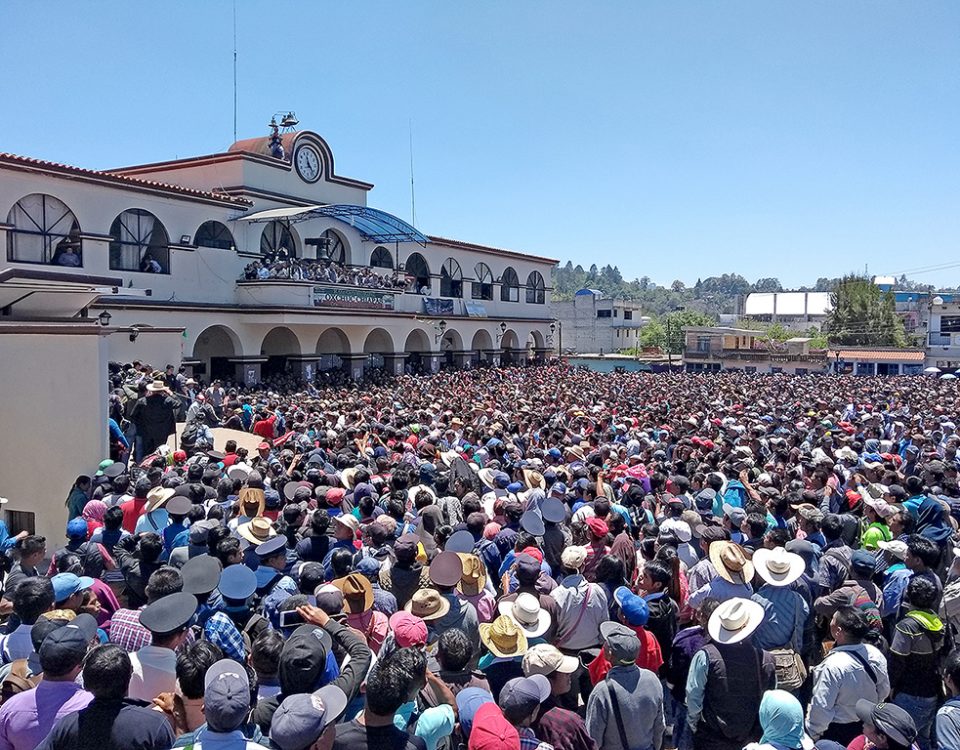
503,330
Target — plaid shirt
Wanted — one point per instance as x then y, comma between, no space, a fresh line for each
529,741
127,632
221,631
562,728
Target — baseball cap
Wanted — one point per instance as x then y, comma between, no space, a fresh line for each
634,608
303,659
524,694
491,731
546,659
469,701
896,548
598,526
863,561
76,528
66,585
888,719
65,647
226,695
408,629
300,719
623,643
736,515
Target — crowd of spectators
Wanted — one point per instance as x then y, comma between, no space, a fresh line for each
324,271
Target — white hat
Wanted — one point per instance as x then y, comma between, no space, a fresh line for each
526,611
734,620
896,548
545,659
777,566
573,557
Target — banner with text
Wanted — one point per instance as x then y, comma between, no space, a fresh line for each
435,306
352,299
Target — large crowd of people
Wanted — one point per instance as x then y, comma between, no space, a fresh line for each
324,271
512,558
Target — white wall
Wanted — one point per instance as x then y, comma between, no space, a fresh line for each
54,415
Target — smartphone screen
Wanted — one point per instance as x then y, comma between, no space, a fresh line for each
290,618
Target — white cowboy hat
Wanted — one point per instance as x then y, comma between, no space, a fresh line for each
777,566
526,611
448,456
486,476
734,620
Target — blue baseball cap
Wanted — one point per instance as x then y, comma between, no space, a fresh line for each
555,453
501,480
66,585
515,487
76,528
469,701
634,608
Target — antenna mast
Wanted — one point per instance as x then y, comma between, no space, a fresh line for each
234,70
413,202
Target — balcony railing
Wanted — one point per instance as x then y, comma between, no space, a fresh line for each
940,339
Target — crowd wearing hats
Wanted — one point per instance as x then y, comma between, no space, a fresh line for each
525,558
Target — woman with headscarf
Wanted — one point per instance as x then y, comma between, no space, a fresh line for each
781,718
93,513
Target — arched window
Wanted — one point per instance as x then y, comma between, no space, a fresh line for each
381,258
509,286
214,234
44,231
535,289
483,286
277,241
417,267
332,247
139,242
451,279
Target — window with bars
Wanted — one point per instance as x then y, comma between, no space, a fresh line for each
139,242
509,286
44,231
536,289
451,279
483,286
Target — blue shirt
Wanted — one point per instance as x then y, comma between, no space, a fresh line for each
784,615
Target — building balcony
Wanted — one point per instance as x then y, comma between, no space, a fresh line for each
936,338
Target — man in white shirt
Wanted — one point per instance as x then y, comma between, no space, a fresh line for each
155,666
33,597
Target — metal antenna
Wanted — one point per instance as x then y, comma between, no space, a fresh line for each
234,70
413,202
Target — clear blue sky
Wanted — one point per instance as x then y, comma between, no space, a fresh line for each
674,139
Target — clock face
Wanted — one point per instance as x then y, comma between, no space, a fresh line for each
307,161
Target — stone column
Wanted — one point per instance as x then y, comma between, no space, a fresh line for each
393,363
354,364
462,358
305,367
492,356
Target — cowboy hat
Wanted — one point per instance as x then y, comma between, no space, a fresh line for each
777,566
526,612
349,477
448,456
503,637
534,479
474,577
486,476
257,530
357,593
427,604
734,620
157,498
731,563
157,386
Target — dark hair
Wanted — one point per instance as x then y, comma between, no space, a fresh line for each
454,650
341,561
164,581
151,545
924,549
32,597
831,526
113,518
757,523
913,485
225,549
319,523
906,520
853,622
265,652
193,661
31,545
777,537
659,572
388,687
921,593
610,570
951,667
106,672
310,576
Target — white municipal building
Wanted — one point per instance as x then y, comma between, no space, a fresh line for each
168,246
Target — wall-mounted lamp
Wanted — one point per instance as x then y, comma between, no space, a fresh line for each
439,328
104,318
503,330
134,332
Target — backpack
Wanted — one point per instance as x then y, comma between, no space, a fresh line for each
950,608
18,680
190,434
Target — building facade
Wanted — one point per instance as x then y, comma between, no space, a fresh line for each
358,288
716,348
799,310
593,323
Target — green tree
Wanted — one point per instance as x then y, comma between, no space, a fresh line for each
653,335
863,315
675,322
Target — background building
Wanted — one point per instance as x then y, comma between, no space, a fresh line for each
592,323
799,310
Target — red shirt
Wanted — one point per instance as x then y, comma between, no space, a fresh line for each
264,428
648,658
132,510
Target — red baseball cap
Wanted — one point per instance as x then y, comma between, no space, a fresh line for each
263,446
491,731
408,630
533,552
598,526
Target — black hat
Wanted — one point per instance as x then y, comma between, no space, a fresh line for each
889,720
201,574
528,569
64,648
271,546
532,523
114,470
460,541
178,505
169,614
553,510
303,660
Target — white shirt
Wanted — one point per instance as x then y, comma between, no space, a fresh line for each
839,681
569,596
154,672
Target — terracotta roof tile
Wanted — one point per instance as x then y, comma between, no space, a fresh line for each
123,179
893,355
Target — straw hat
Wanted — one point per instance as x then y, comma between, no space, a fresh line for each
157,386
474,576
731,563
427,604
777,566
349,477
534,479
251,497
734,620
157,498
526,611
257,530
486,476
503,637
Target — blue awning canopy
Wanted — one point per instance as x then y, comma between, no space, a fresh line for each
371,223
